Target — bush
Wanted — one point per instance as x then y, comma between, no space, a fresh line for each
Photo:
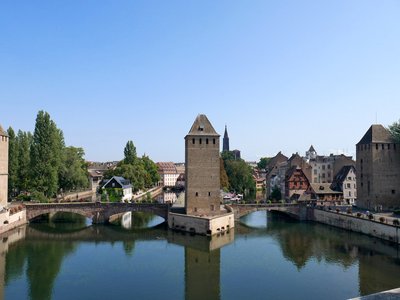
396,222
371,216
349,211
337,210
39,196
359,215
382,219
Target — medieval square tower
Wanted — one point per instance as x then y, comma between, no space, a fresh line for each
202,169
3,168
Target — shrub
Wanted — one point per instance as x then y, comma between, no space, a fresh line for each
337,210
39,196
359,215
396,222
371,216
349,211
382,219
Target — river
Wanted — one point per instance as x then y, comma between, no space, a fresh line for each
267,256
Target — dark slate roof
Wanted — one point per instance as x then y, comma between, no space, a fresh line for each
341,176
312,149
124,183
202,126
323,188
376,134
276,160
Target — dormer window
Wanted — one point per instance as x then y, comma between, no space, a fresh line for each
201,128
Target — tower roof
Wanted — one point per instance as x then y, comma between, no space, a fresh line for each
202,126
2,132
376,134
226,133
312,149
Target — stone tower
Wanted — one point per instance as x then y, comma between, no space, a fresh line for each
225,146
3,168
378,170
202,169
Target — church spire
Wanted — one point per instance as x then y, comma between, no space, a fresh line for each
225,146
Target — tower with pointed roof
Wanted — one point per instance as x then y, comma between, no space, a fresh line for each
202,169
3,167
225,142
378,170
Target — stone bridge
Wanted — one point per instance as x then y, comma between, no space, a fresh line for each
293,210
98,212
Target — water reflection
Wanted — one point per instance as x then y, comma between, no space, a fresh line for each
157,263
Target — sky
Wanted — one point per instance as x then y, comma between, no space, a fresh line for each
282,75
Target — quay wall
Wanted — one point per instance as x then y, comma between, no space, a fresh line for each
8,222
363,225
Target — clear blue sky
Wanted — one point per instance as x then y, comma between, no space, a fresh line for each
281,74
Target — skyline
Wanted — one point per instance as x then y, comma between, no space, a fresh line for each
282,76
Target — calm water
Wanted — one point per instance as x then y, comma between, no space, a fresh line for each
266,257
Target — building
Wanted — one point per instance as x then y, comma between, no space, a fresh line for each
323,194
296,183
378,167
202,196
345,182
118,188
202,168
168,173
225,145
275,173
236,154
3,168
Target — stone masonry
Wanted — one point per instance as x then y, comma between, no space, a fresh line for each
202,169
3,168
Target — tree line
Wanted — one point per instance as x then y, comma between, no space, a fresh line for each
142,172
40,165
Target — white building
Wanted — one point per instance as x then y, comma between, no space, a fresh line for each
345,181
168,174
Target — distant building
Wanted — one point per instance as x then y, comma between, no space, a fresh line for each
3,168
225,143
236,154
275,173
168,173
378,167
296,183
118,186
345,182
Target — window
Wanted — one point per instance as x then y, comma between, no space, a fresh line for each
195,209
315,172
193,141
383,146
214,141
323,167
207,141
393,192
388,146
200,141
349,193
377,146
329,166
348,185
197,194
209,194
212,207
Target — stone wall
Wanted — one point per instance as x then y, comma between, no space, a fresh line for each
201,225
8,222
362,225
3,169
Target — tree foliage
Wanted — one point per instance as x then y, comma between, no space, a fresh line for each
262,164
141,172
276,193
395,131
40,164
240,175
223,176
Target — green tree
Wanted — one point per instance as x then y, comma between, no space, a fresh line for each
12,162
395,131
73,173
276,193
224,180
130,153
152,176
23,174
46,155
262,164
240,176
